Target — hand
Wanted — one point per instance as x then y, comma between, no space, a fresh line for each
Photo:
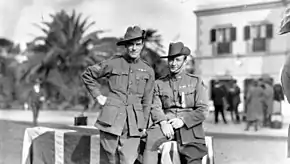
143,133
176,123
42,98
102,99
167,129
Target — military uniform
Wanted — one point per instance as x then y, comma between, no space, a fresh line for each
179,96
285,78
126,111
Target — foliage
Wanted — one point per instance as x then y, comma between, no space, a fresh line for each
61,54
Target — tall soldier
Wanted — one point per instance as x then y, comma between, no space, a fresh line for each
35,99
180,105
123,117
285,74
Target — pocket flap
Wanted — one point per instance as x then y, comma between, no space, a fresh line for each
119,72
198,131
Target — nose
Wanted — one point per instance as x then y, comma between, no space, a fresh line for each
134,47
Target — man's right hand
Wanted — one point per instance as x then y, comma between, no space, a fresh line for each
167,129
102,99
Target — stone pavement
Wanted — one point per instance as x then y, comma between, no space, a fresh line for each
230,129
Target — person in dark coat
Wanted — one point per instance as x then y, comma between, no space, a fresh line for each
219,101
255,102
125,111
235,101
180,106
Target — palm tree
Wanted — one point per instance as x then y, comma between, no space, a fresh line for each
153,49
60,55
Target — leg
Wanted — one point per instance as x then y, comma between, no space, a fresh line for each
237,113
223,114
256,125
108,146
192,153
35,111
248,124
155,138
216,114
128,149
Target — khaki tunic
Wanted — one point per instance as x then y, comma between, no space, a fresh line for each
183,96
131,86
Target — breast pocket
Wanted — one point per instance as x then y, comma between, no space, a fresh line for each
189,96
118,79
141,80
166,99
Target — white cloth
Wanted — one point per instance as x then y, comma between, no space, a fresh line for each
169,146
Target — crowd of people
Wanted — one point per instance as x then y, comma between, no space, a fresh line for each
262,99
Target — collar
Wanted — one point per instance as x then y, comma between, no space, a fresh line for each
177,76
131,60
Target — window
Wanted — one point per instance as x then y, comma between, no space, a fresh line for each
257,37
221,40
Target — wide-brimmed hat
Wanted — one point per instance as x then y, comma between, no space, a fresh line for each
132,33
285,22
177,49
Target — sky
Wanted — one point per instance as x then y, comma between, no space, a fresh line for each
174,19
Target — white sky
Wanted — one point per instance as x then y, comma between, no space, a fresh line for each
172,18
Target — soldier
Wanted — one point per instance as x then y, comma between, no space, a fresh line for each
180,105
285,74
125,110
36,98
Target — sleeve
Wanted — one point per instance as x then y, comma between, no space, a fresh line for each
200,112
147,96
285,79
91,76
157,112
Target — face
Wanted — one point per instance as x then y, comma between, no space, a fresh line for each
175,63
134,48
36,88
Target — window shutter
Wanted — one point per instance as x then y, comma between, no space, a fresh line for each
247,32
212,35
269,29
233,34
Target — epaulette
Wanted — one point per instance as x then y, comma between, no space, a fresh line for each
146,62
192,75
163,77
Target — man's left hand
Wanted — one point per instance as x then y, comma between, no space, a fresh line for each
176,123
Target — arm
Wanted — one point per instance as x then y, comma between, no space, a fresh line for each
157,112
90,78
147,97
198,115
285,79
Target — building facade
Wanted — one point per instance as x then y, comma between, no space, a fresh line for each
240,41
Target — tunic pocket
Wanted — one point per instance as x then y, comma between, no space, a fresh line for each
198,132
108,115
189,96
141,80
118,79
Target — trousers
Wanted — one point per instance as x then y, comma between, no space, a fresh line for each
191,153
118,149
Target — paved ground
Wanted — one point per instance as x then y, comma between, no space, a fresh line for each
67,118
231,144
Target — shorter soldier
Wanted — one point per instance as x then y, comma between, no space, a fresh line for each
180,105
36,98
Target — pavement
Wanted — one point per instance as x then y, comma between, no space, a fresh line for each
211,129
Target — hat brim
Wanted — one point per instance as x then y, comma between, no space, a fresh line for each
124,42
173,56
